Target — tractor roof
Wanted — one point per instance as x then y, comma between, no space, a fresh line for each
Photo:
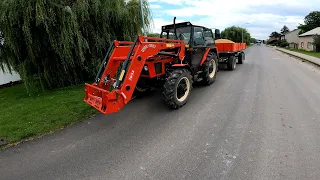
178,25
171,26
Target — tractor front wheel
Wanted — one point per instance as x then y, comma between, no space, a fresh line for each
142,88
210,69
177,88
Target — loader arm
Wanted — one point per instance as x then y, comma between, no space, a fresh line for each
121,69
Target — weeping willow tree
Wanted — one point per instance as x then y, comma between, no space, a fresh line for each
57,43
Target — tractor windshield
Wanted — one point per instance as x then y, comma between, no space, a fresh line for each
183,33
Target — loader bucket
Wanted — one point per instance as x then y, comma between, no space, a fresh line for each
101,99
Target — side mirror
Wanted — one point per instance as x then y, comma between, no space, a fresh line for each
217,34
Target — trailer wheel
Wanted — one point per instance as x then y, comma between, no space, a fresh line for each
240,58
177,88
210,68
232,63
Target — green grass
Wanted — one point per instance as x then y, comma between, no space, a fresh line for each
314,54
23,116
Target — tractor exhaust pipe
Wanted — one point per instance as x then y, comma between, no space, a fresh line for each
174,27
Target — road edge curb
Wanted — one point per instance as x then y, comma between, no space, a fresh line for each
316,63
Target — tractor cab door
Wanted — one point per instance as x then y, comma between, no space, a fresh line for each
202,39
183,33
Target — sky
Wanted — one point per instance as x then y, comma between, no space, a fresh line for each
259,17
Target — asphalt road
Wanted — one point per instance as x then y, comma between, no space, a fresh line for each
261,121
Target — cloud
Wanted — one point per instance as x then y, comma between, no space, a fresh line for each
263,16
159,22
155,6
279,9
175,2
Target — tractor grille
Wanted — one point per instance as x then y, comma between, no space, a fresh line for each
158,67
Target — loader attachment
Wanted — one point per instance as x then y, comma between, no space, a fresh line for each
121,68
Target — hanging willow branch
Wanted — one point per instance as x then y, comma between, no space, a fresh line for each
57,43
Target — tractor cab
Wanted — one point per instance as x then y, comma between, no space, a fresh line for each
198,40
192,35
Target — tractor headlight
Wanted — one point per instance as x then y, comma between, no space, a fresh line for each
145,68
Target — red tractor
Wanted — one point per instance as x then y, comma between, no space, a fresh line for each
184,54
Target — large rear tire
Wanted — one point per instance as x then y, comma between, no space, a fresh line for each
177,88
210,69
232,63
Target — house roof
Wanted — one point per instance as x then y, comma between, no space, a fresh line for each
283,34
291,32
295,30
311,32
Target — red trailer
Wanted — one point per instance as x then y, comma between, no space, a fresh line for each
230,53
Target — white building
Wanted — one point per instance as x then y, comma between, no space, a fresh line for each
6,77
292,38
306,39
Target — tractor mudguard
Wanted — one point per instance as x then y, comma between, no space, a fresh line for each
208,50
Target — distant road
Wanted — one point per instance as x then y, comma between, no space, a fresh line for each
261,121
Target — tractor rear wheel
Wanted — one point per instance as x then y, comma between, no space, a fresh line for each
210,69
232,63
177,88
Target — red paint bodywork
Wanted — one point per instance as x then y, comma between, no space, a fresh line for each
107,100
205,56
230,47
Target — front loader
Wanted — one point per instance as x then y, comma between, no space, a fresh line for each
183,54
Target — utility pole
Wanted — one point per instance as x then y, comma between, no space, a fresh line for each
143,25
242,32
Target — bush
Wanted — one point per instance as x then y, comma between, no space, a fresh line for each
57,43
283,43
274,43
234,34
316,43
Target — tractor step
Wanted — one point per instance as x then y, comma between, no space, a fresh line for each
199,79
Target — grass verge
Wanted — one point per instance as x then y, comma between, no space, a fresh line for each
314,54
23,117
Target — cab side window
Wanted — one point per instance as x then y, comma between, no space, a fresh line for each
199,39
168,35
164,35
208,36
203,37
